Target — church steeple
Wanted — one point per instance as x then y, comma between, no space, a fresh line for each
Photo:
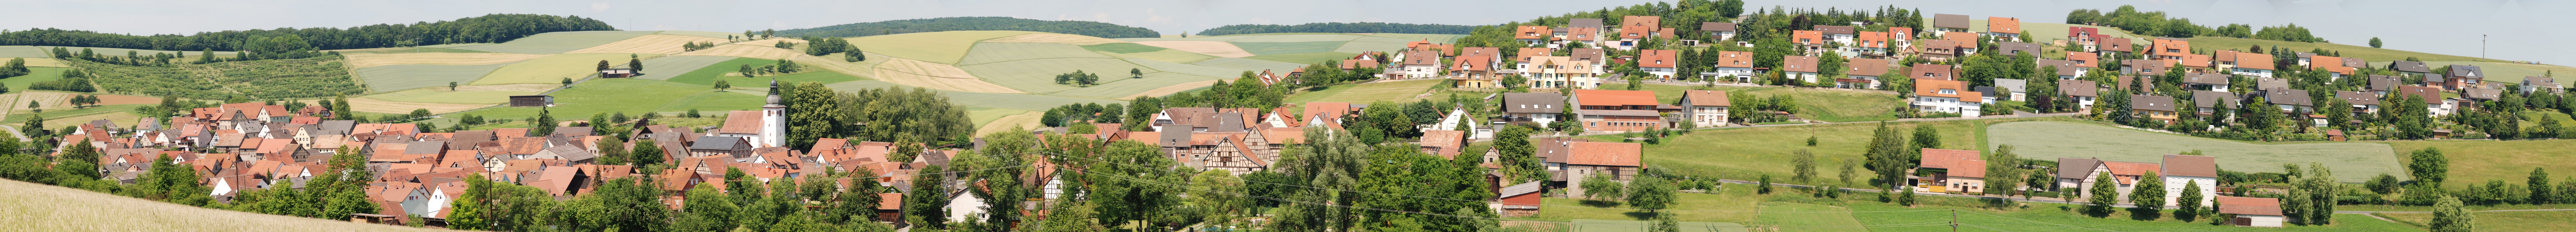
773,94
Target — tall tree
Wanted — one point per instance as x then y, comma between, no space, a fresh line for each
1805,165
2450,216
812,113
2104,193
2149,193
2540,189
2428,166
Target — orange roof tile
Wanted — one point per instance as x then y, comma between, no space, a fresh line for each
1600,97
1605,154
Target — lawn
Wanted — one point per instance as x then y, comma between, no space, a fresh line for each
708,73
391,78
2504,221
551,69
1830,105
34,74
673,66
632,96
2353,51
1589,225
441,96
985,53
2351,161
944,47
557,42
1746,153
1368,92
40,207
2476,161
1305,58
1806,221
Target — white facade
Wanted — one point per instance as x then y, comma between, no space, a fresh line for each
773,121
1738,73
1802,76
2262,220
1946,105
966,207
2251,72
1658,72
2174,185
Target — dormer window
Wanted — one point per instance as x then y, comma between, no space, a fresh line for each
1949,91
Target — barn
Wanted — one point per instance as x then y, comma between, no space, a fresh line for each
532,101
619,73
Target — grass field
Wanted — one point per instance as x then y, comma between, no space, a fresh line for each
2476,161
826,77
1122,48
442,96
453,45
401,50
649,44
708,34
1248,64
44,62
2351,161
1589,225
1188,69
1369,92
1306,58
1212,48
1828,105
1273,48
22,51
1038,75
1165,55
40,207
1746,153
1120,87
2038,216
1805,221
706,74
2506,72
436,58
557,42
1356,47
1435,38
632,96
2505,221
34,74
1054,38
985,100
944,47
392,78
120,114
1732,199
2031,28
550,69
986,53
2353,51
672,66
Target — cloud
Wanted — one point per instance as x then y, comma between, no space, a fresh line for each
599,6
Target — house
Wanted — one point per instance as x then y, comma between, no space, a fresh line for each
2082,92
619,73
729,146
2168,48
2535,84
2084,61
2333,66
1420,63
1734,66
1446,143
1619,161
1590,36
1801,68
1840,35
1932,71
2013,89
2017,49
2432,97
1659,63
2463,77
2066,69
1718,31
2481,95
1533,36
2206,81
1705,108
2381,84
2207,101
1862,73
2244,63
1636,28
1938,50
1520,200
2150,107
2125,175
1949,23
532,101
1868,44
1961,171
1967,42
1807,40
1532,108
2144,67
1561,72
2089,38
1946,96
2004,28
2360,104
2180,171
2117,46
1476,67
2410,67
2251,211
1616,111
2290,100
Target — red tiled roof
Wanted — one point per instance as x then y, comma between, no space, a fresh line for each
1958,89
1798,63
2248,205
1605,154
2119,168
1601,97
1961,163
1450,142
1735,59
741,121
1707,97
2003,25
1656,58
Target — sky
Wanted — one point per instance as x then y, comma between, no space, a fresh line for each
2446,27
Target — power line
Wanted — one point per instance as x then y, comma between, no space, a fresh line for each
1443,198
1463,216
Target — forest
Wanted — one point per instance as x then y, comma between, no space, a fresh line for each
492,28
1336,27
2155,23
1087,28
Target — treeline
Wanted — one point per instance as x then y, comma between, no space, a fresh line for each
1337,27
1683,17
316,77
1088,28
913,115
2155,23
492,28
16,67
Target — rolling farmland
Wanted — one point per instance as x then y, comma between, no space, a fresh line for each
22,51
557,42
392,78
436,58
41,207
666,68
986,53
452,97
550,69
944,47
707,74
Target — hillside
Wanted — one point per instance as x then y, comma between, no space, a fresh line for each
1337,27
1087,28
39,207
491,28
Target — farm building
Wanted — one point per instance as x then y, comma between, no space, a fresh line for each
532,101
2249,211
619,73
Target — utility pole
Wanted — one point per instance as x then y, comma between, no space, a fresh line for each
1954,220
2482,46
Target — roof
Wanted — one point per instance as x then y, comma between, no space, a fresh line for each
1522,188
2288,97
2012,85
1798,63
2204,99
740,121
1583,23
2248,205
2003,25
2410,66
1735,59
1932,71
716,142
2206,78
2361,98
2151,102
2383,82
2064,67
1866,67
1706,97
2129,168
1846,30
2084,59
1530,32
1604,154
1958,89
2076,167
2190,165
1422,57
1451,142
1716,26
1944,45
1532,103
1949,21
1641,113
1656,58
2481,93
1961,163
2246,60
2469,71
1807,37
1600,97
2266,83
2018,47
2082,88
2430,95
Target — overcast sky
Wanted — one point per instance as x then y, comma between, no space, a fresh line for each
2519,29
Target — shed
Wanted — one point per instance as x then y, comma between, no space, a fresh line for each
619,73
532,101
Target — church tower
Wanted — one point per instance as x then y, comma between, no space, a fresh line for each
773,120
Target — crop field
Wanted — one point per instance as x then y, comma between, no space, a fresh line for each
632,96
826,77
1589,225
44,62
22,51
1830,105
121,51
453,97
1294,37
1248,65
1355,47
1370,92
454,45
1436,38
944,47
1212,48
1054,38
708,34
40,207
985,100
1164,55
34,74
372,105
2353,51
1122,47
392,78
648,44
986,53
258,79
401,50
1745,153
2031,28
934,76
550,69
557,42
1178,68
706,74
1022,120
742,50
1038,75
2476,161
2504,72
436,58
2351,161
1272,48
120,114
674,66
1120,87
1307,58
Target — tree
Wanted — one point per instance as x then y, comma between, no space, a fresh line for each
1806,166
2540,189
2450,216
1650,192
2318,190
746,70
1518,156
812,113
1887,156
2104,193
603,66
1135,73
2003,169
2428,166
2149,193
1927,137
2374,42
545,123
646,153
635,63
1600,187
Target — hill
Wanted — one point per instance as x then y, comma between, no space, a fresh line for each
492,28
1338,28
39,207
1088,28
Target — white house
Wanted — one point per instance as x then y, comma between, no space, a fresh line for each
1802,68
1732,65
965,207
1533,108
1838,34
1706,108
1659,63
1946,97
2018,89
2182,171
1421,63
